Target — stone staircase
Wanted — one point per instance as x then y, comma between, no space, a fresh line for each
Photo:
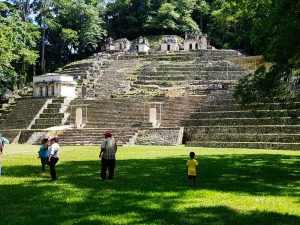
20,116
221,123
125,117
52,115
94,136
202,70
103,75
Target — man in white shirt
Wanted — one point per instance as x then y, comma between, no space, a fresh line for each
53,157
108,156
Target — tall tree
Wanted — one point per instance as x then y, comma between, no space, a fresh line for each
232,21
17,46
70,29
277,36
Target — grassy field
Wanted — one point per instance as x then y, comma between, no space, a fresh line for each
234,187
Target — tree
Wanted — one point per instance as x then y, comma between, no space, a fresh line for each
71,29
174,16
277,37
17,47
232,22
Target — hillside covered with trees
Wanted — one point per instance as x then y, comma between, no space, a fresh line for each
38,36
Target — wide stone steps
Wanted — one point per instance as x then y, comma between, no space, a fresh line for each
52,111
22,114
188,71
248,137
114,124
246,114
243,121
203,77
88,143
191,66
169,83
237,107
253,145
51,115
54,105
95,136
257,129
52,121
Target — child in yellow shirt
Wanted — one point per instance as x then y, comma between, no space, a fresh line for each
192,166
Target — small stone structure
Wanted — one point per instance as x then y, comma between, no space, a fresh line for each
109,45
141,45
195,41
54,85
122,45
169,44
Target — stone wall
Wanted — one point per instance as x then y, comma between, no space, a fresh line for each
160,136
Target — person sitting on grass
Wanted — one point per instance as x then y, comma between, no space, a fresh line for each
43,153
192,166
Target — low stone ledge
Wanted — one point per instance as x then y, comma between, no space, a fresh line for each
159,136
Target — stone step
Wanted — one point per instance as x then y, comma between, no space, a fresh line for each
243,121
237,107
114,124
42,126
52,121
54,106
246,114
51,116
186,80
189,73
58,100
247,137
253,145
86,143
191,66
259,129
51,111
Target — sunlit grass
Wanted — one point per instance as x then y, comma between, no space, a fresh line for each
235,186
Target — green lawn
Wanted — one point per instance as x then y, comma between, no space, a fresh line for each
234,187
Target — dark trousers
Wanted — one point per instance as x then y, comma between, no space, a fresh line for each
110,164
43,162
52,164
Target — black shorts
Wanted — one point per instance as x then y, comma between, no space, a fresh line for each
192,177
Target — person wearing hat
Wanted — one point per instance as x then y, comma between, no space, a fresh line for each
108,156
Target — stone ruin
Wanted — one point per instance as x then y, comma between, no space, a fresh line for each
159,98
169,43
195,41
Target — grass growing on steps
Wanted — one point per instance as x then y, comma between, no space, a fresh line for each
235,186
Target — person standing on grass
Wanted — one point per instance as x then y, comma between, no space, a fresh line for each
192,166
53,157
43,153
108,156
1,153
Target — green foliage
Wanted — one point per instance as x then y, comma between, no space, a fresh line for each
232,21
262,86
135,17
277,37
17,47
73,29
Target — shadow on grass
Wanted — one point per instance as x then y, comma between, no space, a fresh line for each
34,205
251,174
149,191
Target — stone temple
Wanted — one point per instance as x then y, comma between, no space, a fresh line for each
179,92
